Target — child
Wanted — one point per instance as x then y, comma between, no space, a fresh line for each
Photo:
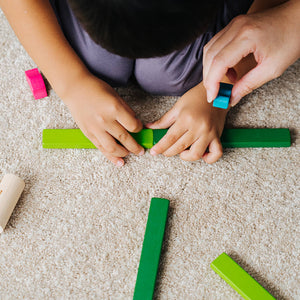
159,42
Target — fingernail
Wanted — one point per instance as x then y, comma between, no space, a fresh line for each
142,152
120,163
148,125
152,152
209,97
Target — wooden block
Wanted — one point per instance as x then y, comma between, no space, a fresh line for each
239,279
149,261
231,138
256,137
158,134
224,94
144,138
11,188
66,138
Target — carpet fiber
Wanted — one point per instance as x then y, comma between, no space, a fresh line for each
78,228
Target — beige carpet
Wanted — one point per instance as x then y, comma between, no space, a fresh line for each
78,228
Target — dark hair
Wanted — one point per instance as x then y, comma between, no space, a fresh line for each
144,28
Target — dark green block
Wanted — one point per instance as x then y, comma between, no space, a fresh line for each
256,137
149,261
239,279
158,134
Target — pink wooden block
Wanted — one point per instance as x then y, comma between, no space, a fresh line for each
36,83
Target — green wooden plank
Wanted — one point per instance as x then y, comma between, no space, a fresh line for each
256,137
231,138
149,261
66,138
144,138
158,135
239,279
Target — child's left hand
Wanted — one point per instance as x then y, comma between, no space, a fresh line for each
193,123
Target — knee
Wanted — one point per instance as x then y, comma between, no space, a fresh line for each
154,78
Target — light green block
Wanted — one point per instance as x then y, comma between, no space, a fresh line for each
239,279
66,138
149,261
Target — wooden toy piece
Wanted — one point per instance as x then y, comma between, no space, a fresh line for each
254,138
239,279
158,135
11,188
231,138
36,83
66,138
149,261
144,138
222,100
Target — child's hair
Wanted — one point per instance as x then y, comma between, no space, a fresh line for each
144,28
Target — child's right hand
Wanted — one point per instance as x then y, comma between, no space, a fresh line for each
104,117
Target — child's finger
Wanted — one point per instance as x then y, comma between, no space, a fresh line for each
215,151
107,144
118,161
125,138
171,137
196,151
182,144
128,120
165,121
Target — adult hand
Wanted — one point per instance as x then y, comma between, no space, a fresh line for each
273,38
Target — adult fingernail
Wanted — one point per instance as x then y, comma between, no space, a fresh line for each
209,97
120,163
152,152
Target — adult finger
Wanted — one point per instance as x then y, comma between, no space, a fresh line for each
255,78
218,42
227,58
215,151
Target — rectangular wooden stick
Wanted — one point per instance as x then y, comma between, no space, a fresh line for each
231,138
239,279
149,261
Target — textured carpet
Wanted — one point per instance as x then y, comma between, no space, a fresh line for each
78,228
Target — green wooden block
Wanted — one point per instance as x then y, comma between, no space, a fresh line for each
149,261
256,137
144,138
158,134
239,279
66,138
231,138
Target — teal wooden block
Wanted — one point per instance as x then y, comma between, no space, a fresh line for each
223,97
149,261
239,279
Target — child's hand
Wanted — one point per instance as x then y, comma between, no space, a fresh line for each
104,118
193,123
